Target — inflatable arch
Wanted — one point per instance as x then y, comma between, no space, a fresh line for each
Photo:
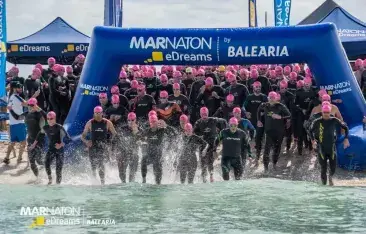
317,45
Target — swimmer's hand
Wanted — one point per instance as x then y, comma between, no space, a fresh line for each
259,124
314,143
346,143
32,146
59,146
88,144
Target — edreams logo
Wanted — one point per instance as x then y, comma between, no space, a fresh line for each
341,87
190,44
77,48
29,48
351,33
93,90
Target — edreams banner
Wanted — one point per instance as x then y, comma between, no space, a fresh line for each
3,47
253,13
282,11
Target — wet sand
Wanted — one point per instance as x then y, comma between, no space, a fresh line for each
290,167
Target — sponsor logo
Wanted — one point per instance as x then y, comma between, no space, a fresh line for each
29,48
257,51
283,8
61,216
76,48
351,33
342,87
93,90
175,45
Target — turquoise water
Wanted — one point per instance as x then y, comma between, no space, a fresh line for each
248,206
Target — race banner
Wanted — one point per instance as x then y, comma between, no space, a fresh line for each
282,11
2,48
252,13
118,12
113,13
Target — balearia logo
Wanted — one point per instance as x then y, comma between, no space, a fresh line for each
175,45
257,51
29,48
351,33
341,87
93,90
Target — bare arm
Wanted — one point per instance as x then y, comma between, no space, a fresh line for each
111,129
86,131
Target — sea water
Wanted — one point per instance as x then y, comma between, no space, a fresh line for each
263,205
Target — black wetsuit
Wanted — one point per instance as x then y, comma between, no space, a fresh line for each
324,132
130,95
142,106
187,164
97,153
207,128
123,86
154,151
288,99
152,85
120,111
183,103
188,83
251,105
55,134
196,86
240,93
234,148
265,84
31,86
209,100
127,154
274,129
226,112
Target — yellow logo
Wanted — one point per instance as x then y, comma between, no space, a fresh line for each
14,48
38,222
156,56
69,48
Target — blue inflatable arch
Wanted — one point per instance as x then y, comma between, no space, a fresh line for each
317,45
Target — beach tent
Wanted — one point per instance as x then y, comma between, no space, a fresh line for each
58,39
351,30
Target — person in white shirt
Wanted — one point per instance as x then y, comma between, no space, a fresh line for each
18,132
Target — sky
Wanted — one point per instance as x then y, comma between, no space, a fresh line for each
25,17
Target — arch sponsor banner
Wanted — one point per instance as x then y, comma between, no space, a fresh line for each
282,11
318,45
47,49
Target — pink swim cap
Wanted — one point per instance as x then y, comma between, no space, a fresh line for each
299,84
57,68
153,118
141,87
115,89
131,116
233,121
164,94
51,60
272,95
134,84
326,103
39,66
293,76
308,80
36,72
326,97
137,74
170,68
283,84
122,74
51,115
188,127
287,70
237,110
253,67
102,95
135,68
32,101
359,63
322,92
149,73
69,69
179,68
244,72
176,86
279,69
209,81
163,78
254,74
204,110
201,72
272,74
230,98
98,109
115,99
177,74
326,108
231,78
81,57
297,68
183,118
263,66
152,112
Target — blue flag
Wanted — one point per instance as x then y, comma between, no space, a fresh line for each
113,13
253,13
282,11
2,48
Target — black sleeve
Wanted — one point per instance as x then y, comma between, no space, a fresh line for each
313,128
342,125
40,134
259,111
218,113
285,112
43,113
196,128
